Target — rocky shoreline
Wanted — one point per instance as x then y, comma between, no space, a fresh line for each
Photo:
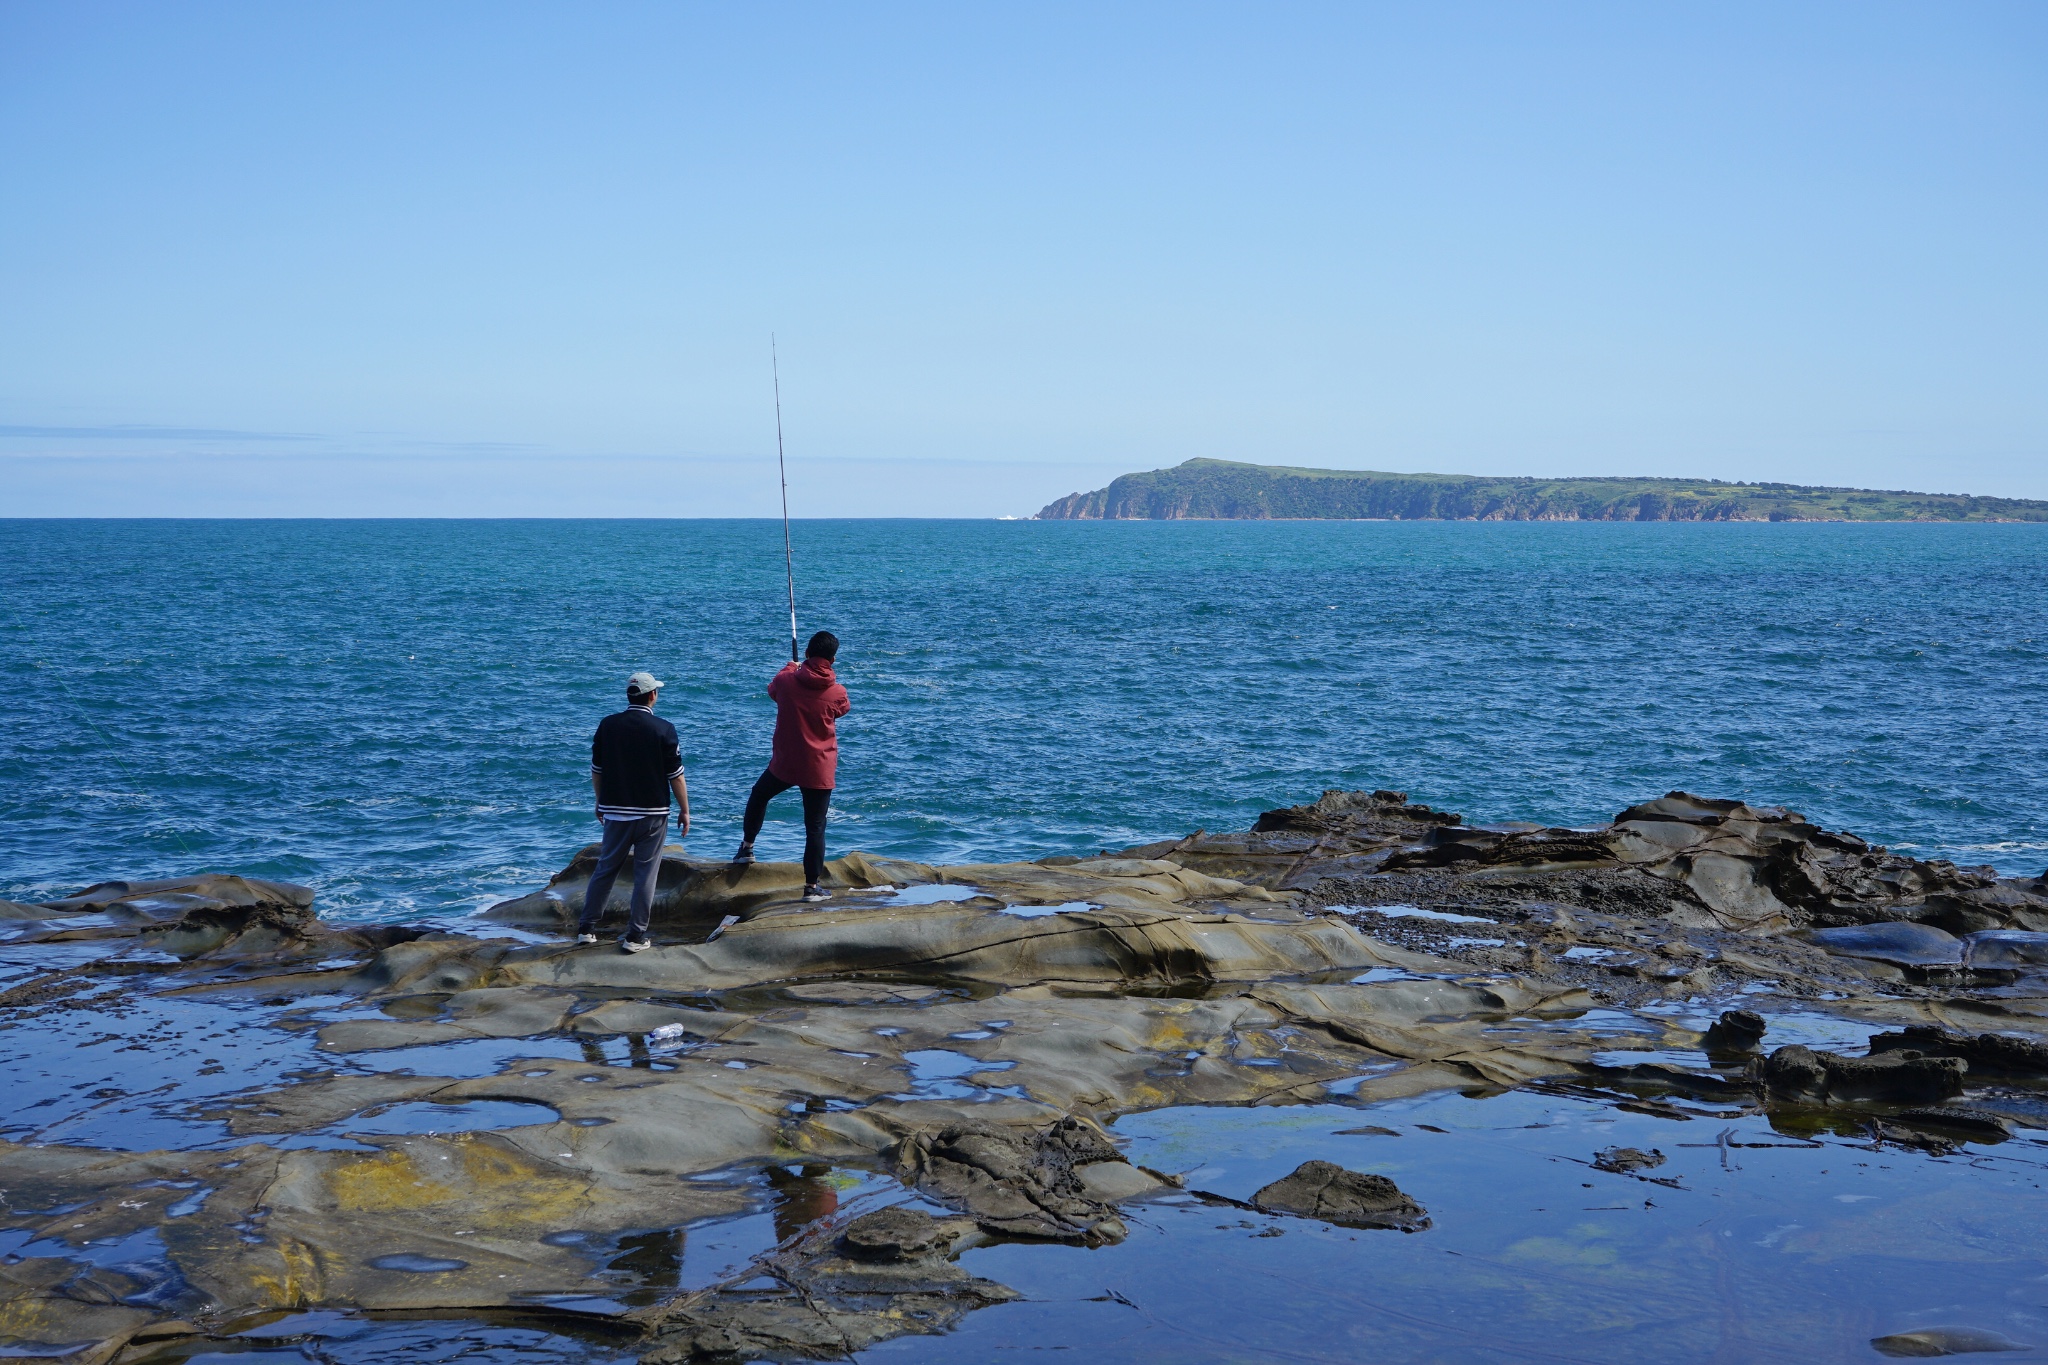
493,1122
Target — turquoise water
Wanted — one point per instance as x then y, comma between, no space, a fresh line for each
398,713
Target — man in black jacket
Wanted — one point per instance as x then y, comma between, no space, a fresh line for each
634,765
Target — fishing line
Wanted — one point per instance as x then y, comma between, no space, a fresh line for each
782,467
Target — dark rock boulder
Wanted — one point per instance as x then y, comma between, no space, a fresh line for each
1719,865
2006,948
1984,1052
1900,943
1797,1072
1382,816
1944,1341
245,930
898,1234
1755,863
1325,1190
826,1298
170,898
1019,1184
1627,1160
1735,1031
1494,848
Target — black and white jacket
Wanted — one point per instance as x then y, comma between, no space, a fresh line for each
633,755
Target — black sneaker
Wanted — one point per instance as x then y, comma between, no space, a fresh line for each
744,857
816,893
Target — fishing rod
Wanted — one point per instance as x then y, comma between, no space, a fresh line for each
782,466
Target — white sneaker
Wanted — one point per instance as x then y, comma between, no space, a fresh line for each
817,893
586,938
636,945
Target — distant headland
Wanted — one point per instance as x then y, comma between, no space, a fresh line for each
1226,490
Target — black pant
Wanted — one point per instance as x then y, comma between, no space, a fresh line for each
817,800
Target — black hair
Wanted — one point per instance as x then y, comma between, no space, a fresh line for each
824,645
637,698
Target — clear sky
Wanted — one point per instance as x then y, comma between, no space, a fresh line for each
520,259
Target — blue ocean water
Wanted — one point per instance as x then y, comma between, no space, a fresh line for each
398,713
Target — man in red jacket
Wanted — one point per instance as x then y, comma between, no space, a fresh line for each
808,704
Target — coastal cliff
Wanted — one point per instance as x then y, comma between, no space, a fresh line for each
1226,490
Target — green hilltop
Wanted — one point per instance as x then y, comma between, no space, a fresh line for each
1226,490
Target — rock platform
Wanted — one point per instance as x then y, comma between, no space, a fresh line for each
958,1038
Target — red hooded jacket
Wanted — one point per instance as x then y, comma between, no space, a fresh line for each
808,704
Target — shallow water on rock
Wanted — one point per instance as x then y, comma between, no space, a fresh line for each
1745,1244
939,1073
932,895
1784,1025
1780,1252
327,1338
468,1057
120,1070
117,1066
429,1117
641,1267
1041,911
1411,912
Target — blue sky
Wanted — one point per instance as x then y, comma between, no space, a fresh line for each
510,259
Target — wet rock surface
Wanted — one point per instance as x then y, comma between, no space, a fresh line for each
899,1234
1026,1184
1628,1160
1736,1031
1817,1075
1986,1053
1944,1341
304,1117
1679,896
1325,1190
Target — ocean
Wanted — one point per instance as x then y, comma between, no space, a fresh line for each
398,713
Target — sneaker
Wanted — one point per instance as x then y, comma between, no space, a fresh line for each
744,856
636,945
586,938
817,893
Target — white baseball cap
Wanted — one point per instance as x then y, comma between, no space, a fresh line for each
644,682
